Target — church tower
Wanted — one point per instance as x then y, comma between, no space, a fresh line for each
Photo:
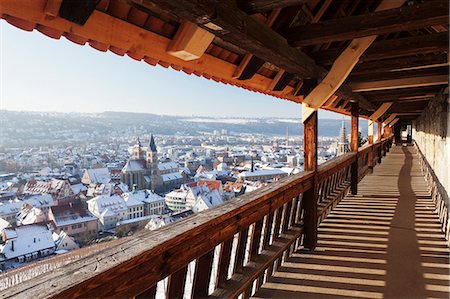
152,164
343,142
138,153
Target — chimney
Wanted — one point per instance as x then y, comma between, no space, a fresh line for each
12,245
134,188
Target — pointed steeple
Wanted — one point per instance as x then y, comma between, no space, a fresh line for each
152,145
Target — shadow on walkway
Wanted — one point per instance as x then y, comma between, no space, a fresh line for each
384,242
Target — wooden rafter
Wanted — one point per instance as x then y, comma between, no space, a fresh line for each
248,57
399,83
344,64
400,64
392,48
254,6
120,34
236,27
376,23
392,123
380,111
390,118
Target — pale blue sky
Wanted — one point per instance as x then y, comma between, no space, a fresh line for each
43,74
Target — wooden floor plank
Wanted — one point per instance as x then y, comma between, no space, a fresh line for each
384,242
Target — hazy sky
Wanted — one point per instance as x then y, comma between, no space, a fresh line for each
43,74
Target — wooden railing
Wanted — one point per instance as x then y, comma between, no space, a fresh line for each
438,194
231,250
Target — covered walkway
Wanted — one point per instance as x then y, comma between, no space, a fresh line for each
385,242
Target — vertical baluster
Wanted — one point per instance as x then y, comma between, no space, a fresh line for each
294,210
176,282
287,215
224,262
240,251
277,224
202,275
268,230
256,239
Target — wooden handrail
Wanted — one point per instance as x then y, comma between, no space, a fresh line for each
330,167
131,268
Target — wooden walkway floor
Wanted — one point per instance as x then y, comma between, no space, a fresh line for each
384,242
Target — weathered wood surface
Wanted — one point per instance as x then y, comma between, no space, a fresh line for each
376,23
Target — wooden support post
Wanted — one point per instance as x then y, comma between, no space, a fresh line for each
380,148
370,140
310,164
354,147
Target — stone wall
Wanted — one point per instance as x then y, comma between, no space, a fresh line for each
431,131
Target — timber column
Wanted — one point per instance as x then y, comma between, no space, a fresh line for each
381,151
354,147
310,164
370,140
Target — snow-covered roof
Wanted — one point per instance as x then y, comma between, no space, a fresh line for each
71,214
99,175
77,188
3,224
40,200
146,196
107,204
167,166
134,165
10,207
26,239
171,176
266,172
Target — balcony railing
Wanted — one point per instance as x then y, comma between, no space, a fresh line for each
234,247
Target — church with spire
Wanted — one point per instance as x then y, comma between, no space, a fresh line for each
343,146
144,171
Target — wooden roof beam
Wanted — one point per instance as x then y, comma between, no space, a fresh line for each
405,63
402,93
255,6
390,118
392,123
380,111
226,21
248,57
393,48
399,83
376,23
343,65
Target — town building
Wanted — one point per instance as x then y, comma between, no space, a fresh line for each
25,243
75,221
60,190
109,210
96,176
153,203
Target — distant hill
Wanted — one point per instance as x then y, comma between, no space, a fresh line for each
21,127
